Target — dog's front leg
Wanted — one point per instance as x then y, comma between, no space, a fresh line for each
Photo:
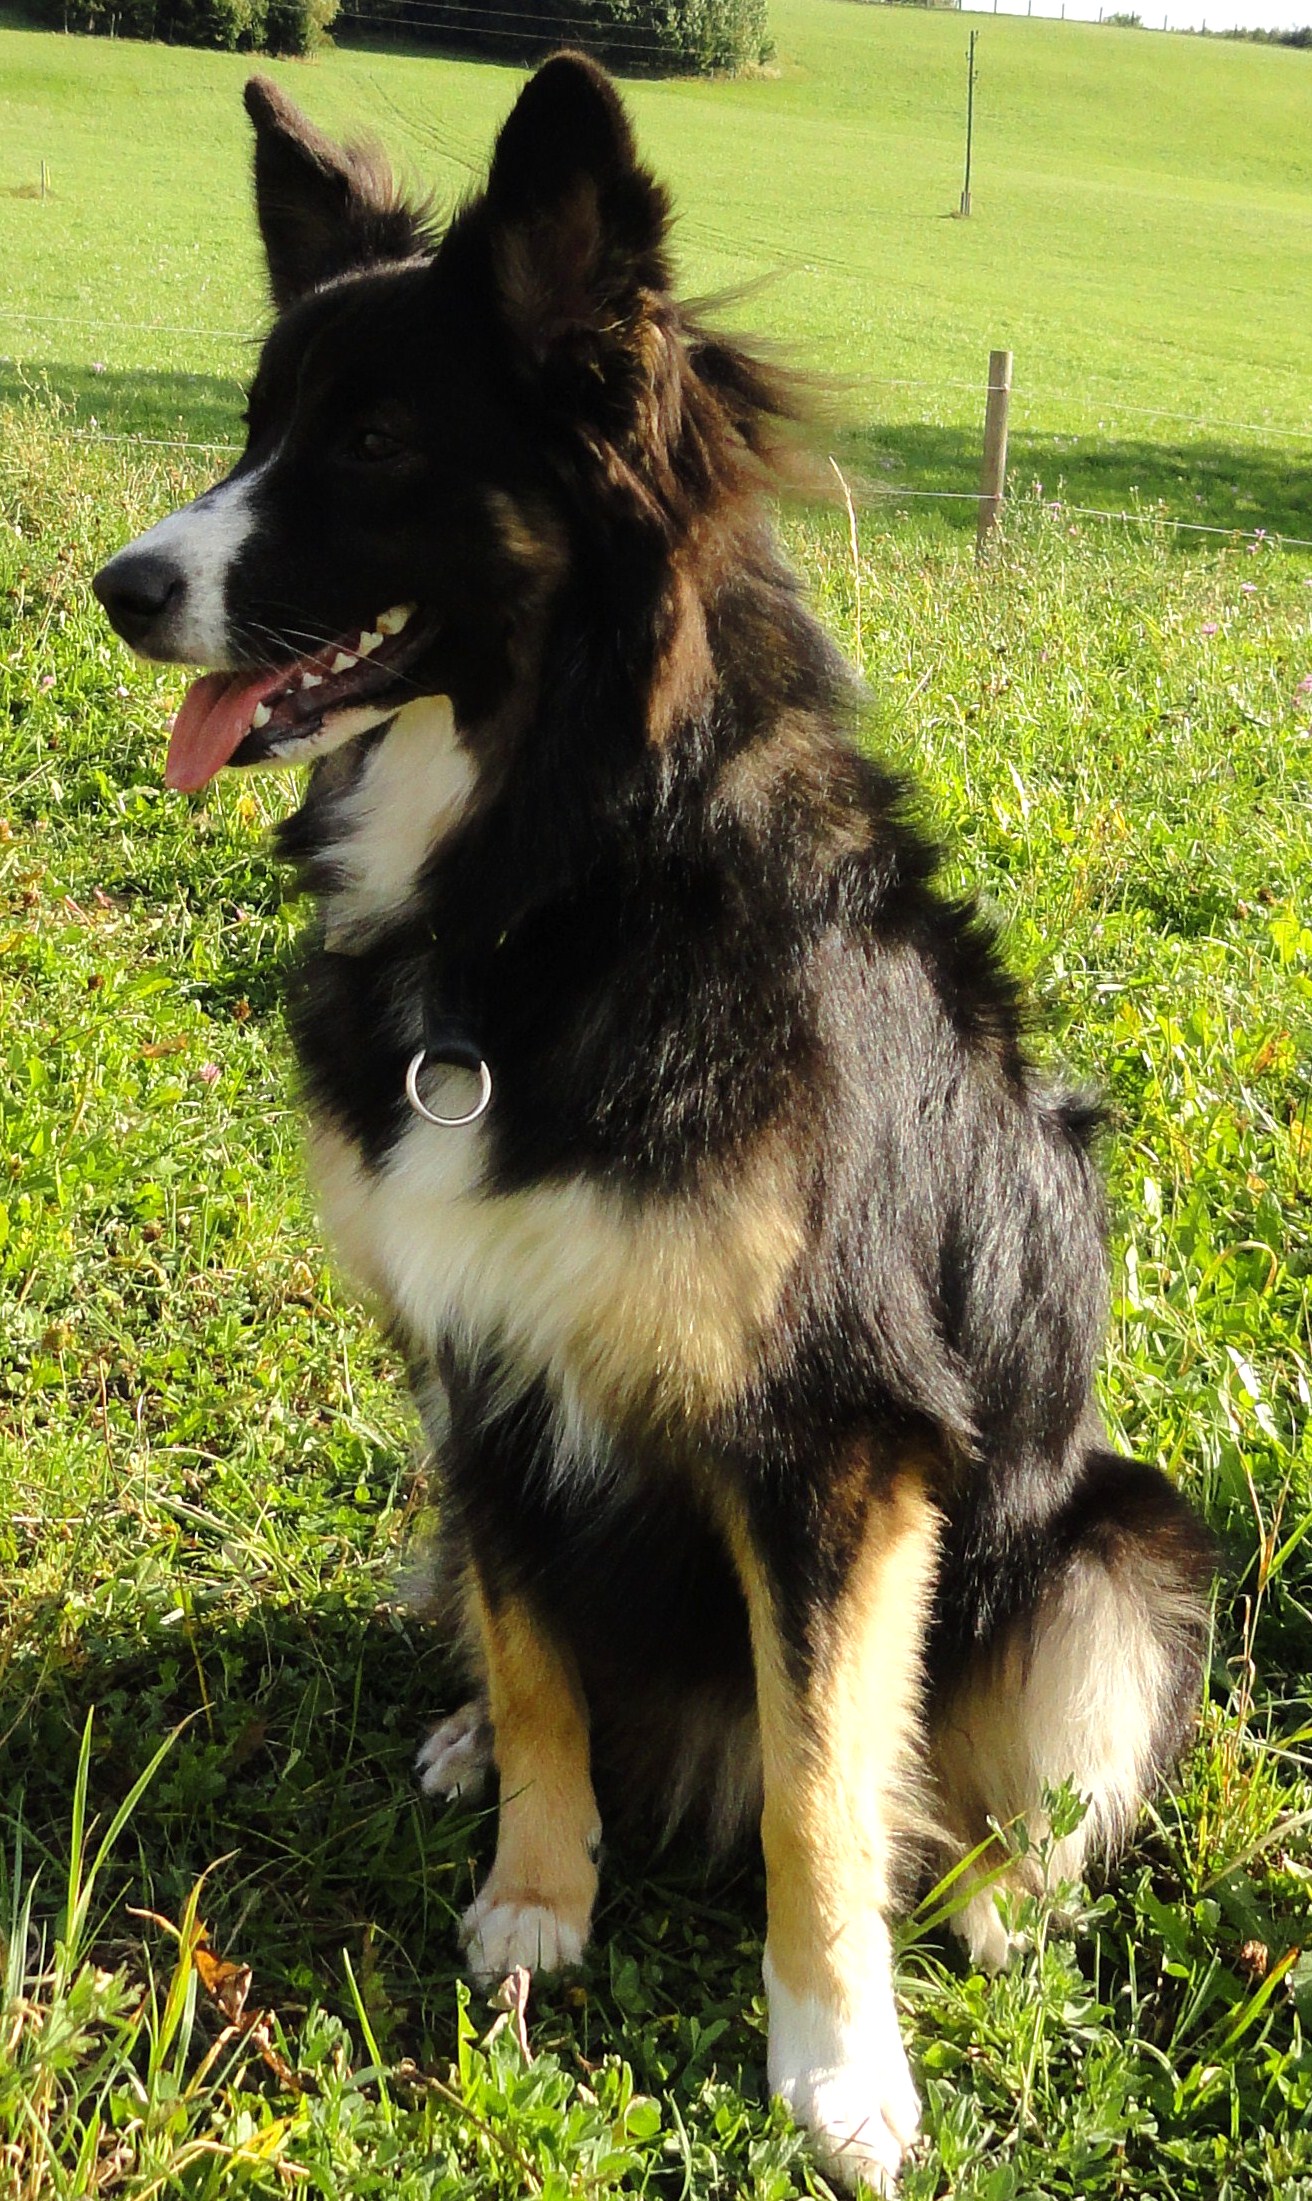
535,1906
837,1641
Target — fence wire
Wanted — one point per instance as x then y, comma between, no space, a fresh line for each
128,328
1024,396
623,47
888,492
1028,395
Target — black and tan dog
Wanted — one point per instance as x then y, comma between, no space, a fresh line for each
751,1283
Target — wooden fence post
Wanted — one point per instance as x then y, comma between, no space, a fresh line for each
993,473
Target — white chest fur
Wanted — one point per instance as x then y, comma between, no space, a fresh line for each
659,1304
411,791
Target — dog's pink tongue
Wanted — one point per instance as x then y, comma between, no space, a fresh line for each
215,717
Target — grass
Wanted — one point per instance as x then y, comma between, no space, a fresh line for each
1141,236
210,1689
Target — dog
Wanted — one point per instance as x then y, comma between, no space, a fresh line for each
750,1280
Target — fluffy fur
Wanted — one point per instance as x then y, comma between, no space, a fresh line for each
756,1321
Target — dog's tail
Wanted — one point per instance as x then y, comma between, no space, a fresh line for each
1093,1679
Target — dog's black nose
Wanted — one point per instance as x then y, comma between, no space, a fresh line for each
137,588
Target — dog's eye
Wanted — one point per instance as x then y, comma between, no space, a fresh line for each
374,447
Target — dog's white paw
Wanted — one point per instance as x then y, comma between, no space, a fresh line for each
455,1757
858,2128
500,1932
847,2080
980,1924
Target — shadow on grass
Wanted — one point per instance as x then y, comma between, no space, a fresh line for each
294,1736
290,1782
1220,484
133,401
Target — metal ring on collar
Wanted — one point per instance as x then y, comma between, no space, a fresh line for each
449,1123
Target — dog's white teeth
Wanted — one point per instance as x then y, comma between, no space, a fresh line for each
261,715
312,680
368,643
391,622
343,663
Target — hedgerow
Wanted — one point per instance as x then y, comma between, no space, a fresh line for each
234,26
697,36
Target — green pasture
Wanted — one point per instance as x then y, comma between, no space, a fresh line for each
1141,240
211,1683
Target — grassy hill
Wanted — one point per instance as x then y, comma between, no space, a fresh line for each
1142,234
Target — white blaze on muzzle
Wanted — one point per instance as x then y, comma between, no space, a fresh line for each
202,543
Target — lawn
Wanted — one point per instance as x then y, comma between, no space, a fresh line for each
1142,236
210,1681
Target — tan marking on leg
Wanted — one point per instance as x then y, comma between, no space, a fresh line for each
838,1759
535,1907
838,1779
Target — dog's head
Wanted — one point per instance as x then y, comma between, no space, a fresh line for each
440,426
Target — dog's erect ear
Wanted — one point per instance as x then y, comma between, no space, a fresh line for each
323,208
577,226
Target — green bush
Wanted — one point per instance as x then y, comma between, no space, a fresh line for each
661,36
235,26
